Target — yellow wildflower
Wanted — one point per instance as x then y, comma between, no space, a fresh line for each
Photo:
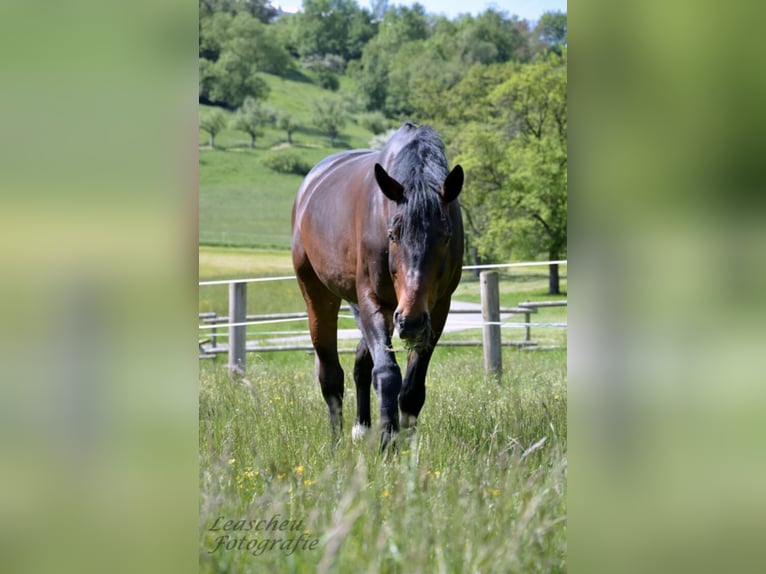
299,469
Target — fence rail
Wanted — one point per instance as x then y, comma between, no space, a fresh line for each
237,321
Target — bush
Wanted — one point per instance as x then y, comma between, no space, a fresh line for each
329,80
287,161
376,122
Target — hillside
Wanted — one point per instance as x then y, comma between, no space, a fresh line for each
241,201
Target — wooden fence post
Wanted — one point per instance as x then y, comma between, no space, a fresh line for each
490,314
237,314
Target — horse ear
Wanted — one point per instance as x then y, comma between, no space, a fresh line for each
391,188
453,184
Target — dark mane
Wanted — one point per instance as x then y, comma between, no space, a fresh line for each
417,161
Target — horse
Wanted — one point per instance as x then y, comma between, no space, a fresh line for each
383,231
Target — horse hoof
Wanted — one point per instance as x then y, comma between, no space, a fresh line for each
359,432
407,421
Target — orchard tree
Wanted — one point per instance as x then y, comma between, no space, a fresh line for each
287,123
330,117
251,117
213,123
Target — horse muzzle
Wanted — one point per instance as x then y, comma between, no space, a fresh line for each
412,328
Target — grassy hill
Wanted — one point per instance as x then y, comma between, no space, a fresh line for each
241,201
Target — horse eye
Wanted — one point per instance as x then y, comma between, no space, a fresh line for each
392,236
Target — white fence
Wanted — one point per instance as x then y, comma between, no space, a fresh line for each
237,320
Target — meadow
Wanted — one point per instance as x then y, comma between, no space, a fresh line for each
480,487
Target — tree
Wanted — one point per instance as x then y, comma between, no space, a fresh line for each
330,117
516,160
213,123
551,30
382,57
251,117
490,37
332,27
263,10
232,51
288,123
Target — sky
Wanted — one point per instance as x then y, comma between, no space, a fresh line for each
525,9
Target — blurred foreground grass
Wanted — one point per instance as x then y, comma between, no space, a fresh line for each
481,487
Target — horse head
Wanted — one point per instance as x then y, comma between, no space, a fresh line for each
419,234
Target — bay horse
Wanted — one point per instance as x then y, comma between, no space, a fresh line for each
382,231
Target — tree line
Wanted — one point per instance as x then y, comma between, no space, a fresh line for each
494,84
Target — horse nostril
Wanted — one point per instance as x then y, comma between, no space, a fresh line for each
411,326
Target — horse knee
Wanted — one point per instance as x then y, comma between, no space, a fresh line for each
387,379
412,401
362,367
330,376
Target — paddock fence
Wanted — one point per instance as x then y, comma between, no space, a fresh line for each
227,334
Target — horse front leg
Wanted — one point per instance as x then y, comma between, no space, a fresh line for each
413,393
363,380
377,326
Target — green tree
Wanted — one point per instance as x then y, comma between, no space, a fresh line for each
233,49
384,71
490,37
263,10
551,30
331,27
213,123
330,116
251,117
287,123
516,161
372,75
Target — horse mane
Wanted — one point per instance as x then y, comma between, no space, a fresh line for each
416,159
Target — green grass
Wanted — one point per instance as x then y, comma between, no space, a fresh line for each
461,496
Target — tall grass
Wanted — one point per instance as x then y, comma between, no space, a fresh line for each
481,487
